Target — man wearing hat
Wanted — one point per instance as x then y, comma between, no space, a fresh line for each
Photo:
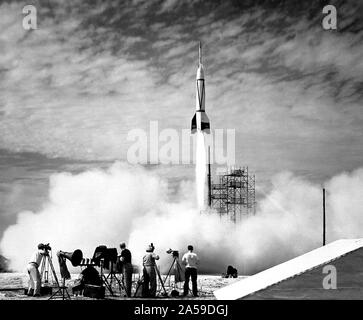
149,272
34,275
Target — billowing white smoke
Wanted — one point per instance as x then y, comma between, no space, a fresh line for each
200,169
85,210
130,204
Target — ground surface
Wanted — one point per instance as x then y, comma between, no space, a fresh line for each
12,287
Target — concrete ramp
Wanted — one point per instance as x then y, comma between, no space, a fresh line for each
301,277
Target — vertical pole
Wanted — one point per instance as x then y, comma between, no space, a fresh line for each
227,195
324,229
247,191
209,181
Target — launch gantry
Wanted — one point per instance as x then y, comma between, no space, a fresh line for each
234,193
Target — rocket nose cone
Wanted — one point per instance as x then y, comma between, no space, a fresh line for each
200,72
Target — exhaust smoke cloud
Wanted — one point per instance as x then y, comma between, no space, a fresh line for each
131,204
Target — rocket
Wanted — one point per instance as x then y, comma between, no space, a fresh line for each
200,120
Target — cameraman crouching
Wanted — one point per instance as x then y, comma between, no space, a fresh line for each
34,275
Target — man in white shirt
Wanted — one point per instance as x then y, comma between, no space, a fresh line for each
34,275
191,261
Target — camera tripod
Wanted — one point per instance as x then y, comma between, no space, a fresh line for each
178,270
179,274
140,283
45,265
107,281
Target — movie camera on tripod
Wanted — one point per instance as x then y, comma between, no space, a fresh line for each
47,268
106,258
176,270
174,253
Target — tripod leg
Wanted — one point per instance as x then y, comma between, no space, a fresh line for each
138,284
161,280
169,272
53,271
105,281
121,283
180,270
62,290
113,276
42,269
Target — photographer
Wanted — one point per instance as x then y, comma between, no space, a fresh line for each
149,272
126,267
32,268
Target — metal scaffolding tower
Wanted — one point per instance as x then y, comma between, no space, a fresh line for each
234,193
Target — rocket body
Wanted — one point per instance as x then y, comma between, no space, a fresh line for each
200,119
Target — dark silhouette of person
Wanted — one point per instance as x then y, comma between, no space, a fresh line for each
88,276
126,267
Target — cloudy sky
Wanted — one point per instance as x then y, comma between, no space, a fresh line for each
72,90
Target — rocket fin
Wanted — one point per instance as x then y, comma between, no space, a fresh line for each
205,125
194,123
